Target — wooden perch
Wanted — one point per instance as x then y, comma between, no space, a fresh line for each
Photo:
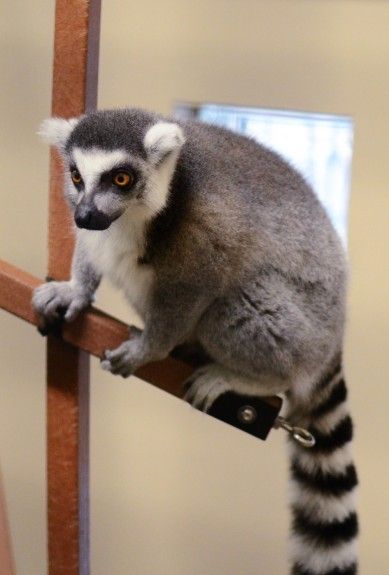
93,332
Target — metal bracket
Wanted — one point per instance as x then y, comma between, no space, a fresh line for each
257,416
254,415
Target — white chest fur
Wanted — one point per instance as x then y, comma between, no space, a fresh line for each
114,253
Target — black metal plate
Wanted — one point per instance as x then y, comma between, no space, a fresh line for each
230,407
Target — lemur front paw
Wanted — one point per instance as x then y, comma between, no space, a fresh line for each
205,385
55,301
123,360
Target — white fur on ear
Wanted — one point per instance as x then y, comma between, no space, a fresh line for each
56,131
162,139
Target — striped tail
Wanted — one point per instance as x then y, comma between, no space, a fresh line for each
323,486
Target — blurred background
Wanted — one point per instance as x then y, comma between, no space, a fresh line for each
172,492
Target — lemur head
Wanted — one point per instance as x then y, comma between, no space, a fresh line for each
115,161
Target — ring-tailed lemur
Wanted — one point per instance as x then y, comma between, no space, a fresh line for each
217,241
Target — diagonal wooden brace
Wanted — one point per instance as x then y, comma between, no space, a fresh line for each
93,332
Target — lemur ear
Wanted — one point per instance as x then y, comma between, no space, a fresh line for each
56,131
162,139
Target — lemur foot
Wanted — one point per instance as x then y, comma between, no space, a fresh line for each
57,301
205,385
126,358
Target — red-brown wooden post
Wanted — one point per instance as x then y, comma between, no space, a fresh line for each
76,46
7,566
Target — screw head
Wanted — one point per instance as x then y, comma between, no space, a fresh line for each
247,414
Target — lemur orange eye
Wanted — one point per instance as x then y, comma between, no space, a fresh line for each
76,177
122,179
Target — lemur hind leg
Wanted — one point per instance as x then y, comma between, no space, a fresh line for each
261,339
210,381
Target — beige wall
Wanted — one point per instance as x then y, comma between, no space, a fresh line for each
171,491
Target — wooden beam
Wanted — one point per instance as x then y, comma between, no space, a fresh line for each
93,332
75,71
67,458
7,566
16,287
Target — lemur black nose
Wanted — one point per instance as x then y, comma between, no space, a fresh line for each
83,216
91,218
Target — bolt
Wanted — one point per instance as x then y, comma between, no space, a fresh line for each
247,414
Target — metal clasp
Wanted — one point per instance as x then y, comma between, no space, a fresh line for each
300,435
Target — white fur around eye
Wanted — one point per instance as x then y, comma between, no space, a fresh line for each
56,131
93,162
163,138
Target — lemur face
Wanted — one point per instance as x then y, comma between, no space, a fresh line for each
102,184
115,161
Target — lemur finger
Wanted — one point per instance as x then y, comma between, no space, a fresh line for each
55,309
121,362
117,353
106,365
205,389
71,314
193,378
123,370
50,310
73,310
212,397
188,383
42,296
122,359
196,403
195,397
